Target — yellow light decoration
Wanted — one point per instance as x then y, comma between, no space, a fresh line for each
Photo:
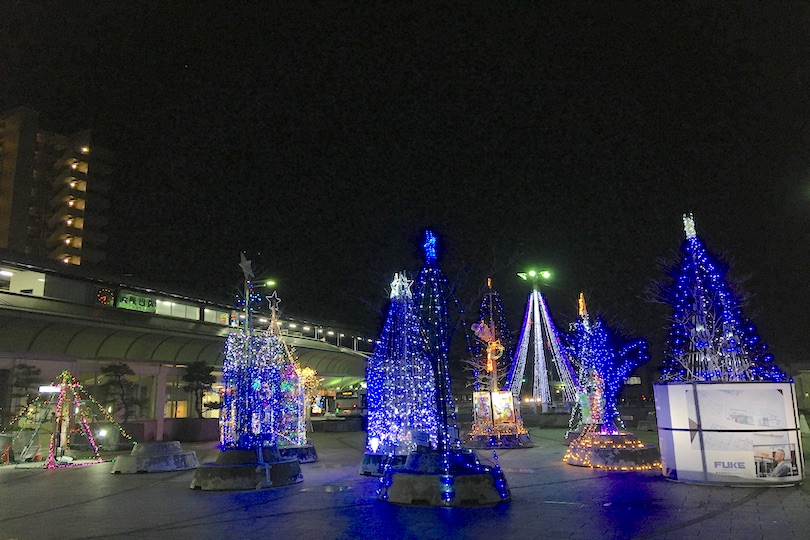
619,451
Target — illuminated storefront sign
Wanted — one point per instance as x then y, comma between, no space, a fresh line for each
137,302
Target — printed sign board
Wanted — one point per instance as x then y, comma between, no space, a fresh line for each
742,433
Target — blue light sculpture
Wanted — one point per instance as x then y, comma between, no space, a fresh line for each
709,339
606,360
401,387
429,475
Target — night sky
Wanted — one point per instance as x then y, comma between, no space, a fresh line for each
322,138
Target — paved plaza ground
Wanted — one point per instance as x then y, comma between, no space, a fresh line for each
549,500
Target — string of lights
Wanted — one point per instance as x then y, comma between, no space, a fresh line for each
606,360
401,386
709,339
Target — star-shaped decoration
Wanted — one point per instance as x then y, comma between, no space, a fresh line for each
273,301
245,265
401,286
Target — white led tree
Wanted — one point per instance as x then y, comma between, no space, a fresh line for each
401,387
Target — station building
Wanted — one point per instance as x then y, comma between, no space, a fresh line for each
56,317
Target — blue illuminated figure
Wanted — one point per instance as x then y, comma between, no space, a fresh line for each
709,339
606,361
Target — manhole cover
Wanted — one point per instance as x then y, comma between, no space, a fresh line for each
519,470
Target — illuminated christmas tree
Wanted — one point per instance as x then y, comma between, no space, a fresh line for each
709,338
605,361
429,476
257,363
76,423
492,351
263,400
540,337
597,438
401,388
497,422
250,416
432,293
262,407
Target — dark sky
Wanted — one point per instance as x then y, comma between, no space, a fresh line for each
324,137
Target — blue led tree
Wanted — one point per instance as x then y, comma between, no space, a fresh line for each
606,359
597,437
432,293
709,338
401,388
429,475
262,408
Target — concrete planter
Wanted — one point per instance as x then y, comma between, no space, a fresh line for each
155,457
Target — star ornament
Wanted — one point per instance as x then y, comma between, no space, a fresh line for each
245,265
401,286
273,301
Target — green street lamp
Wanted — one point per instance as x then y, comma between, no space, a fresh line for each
535,275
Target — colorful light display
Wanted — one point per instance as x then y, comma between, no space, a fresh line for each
250,416
492,350
497,422
72,410
709,339
605,361
263,396
539,331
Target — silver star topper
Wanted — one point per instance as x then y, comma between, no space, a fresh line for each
273,301
245,265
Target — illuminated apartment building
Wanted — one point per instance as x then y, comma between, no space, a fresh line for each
52,191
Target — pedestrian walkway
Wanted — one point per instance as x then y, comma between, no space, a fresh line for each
550,500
